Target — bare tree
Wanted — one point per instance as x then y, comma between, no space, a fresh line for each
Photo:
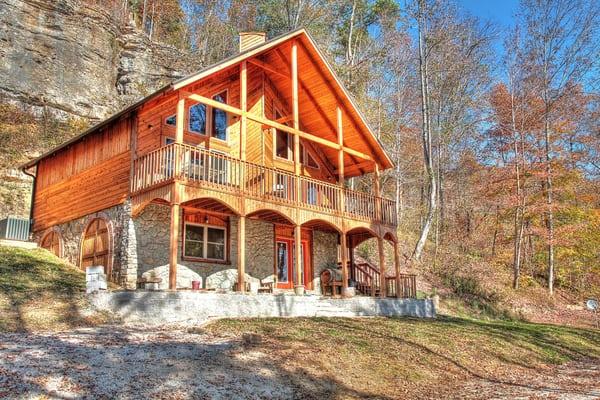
563,42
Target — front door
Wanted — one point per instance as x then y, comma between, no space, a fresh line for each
284,263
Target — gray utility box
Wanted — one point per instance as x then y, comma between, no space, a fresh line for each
13,228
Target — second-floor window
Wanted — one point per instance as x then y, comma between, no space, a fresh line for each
219,118
197,119
283,142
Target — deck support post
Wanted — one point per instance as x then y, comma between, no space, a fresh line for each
241,255
173,245
342,205
397,267
175,207
382,287
298,284
344,253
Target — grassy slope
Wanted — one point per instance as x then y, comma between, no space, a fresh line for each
39,291
424,358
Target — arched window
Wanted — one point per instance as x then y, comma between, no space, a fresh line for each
52,242
95,247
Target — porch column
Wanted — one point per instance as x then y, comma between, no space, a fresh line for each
296,117
381,267
173,244
241,254
397,268
344,248
298,284
175,208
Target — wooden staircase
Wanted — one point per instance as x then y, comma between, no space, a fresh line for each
367,280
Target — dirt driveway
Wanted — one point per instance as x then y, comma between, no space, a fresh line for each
135,363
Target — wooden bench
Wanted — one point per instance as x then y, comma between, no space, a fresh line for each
149,283
331,280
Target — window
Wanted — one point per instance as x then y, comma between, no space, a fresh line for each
219,118
198,119
204,241
171,120
306,158
282,145
283,142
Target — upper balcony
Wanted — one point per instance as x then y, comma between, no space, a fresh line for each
202,168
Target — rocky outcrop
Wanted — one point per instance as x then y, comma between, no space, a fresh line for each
76,60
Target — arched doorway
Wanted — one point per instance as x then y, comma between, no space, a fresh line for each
95,249
52,242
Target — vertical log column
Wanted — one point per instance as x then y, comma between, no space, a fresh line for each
377,186
241,255
175,209
342,204
299,286
397,268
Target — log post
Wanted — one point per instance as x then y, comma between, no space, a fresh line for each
344,251
397,268
382,288
175,207
241,255
173,245
299,285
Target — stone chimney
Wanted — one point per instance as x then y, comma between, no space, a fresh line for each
251,39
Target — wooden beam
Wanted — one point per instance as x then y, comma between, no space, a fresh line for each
273,124
354,167
267,67
311,98
295,114
340,138
173,245
281,120
332,89
244,108
381,268
344,252
299,285
241,255
397,267
180,120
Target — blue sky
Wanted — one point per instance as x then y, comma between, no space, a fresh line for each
499,11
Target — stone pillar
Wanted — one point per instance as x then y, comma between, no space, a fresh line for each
129,257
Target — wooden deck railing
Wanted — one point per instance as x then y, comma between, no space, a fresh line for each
213,169
408,286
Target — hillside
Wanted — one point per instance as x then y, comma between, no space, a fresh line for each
449,357
39,291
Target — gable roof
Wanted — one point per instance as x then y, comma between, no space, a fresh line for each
313,56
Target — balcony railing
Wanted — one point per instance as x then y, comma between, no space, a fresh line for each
212,169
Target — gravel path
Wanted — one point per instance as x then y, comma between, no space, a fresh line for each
135,363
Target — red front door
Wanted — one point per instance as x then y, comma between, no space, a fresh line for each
284,263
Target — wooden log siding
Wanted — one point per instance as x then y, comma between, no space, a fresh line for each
198,166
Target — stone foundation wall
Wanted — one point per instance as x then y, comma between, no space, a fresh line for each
123,262
193,308
140,247
325,255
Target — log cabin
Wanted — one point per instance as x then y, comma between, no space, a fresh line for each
233,175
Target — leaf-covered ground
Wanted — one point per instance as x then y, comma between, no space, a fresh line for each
39,291
305,358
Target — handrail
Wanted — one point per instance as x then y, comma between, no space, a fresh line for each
210,168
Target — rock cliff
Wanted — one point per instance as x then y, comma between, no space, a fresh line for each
76,60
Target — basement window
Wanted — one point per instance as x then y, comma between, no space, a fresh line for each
204,242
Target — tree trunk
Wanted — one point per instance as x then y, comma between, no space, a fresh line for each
425,135
549,204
